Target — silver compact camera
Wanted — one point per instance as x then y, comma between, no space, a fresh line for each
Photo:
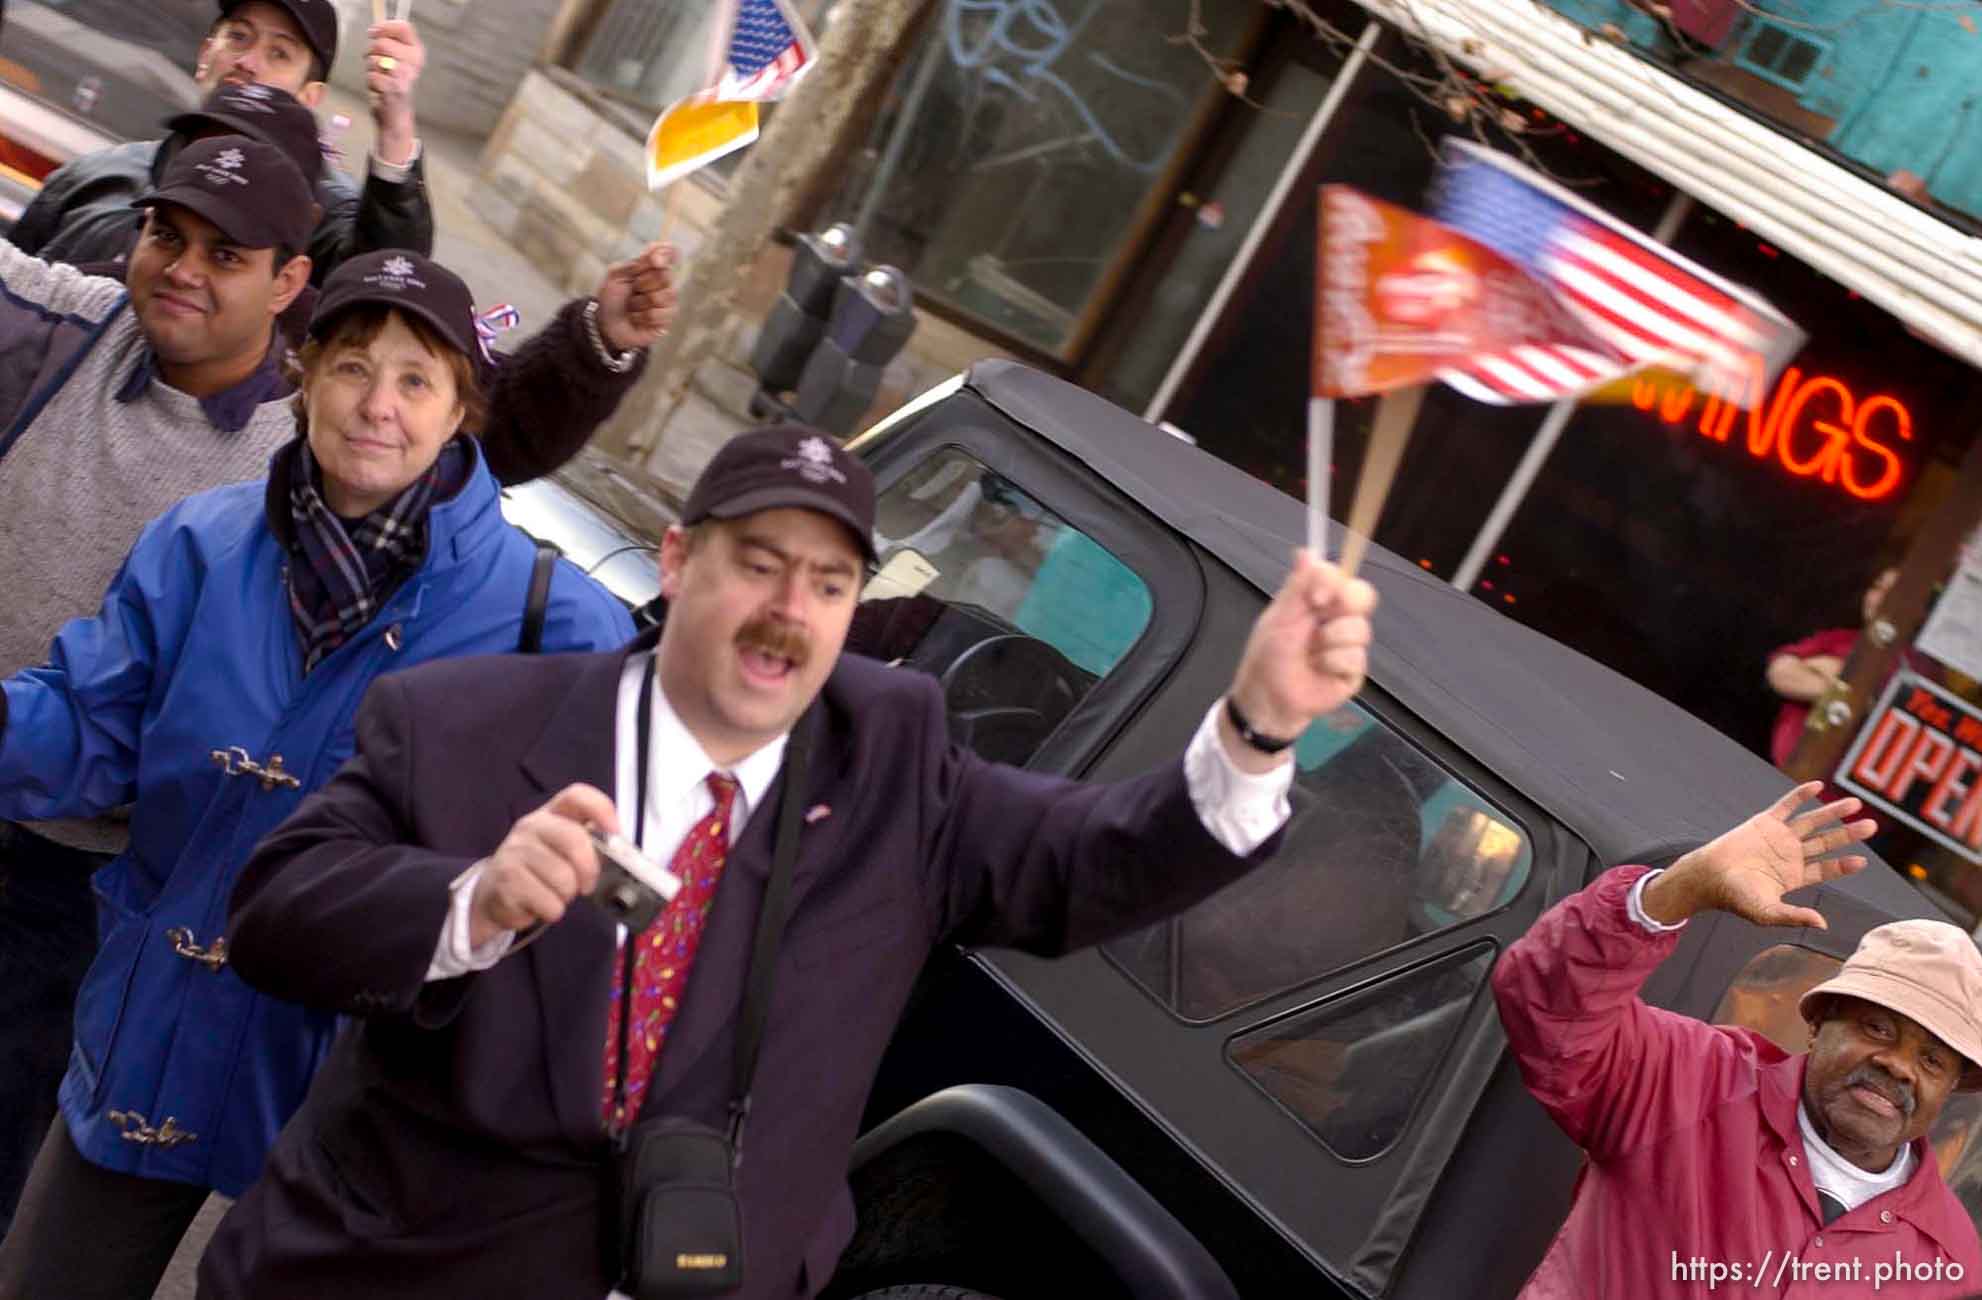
632,887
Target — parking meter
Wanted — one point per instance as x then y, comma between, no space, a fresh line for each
873,316
798,318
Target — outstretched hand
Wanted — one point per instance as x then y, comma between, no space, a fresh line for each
1306,656
1747,870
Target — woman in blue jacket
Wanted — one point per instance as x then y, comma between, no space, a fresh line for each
216,689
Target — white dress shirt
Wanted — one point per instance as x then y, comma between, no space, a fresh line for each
1239,809
1846,1183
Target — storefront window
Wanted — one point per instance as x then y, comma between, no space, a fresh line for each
1025,150
1676,543
1683,547
1891,87
654,54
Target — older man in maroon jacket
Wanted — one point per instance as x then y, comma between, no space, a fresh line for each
1718,1163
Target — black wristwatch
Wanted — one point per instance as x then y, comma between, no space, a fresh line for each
1264,744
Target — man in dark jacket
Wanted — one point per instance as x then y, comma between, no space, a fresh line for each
436,889
83,213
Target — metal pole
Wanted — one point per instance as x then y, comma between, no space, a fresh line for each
1544,441
1513,494
1241,260
891,157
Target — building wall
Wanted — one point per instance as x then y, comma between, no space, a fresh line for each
561,180
477,53
1912,105
1895,90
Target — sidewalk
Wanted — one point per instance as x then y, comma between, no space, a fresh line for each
463,243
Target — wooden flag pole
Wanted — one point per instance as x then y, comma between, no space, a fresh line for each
1395,415
668,210
378,12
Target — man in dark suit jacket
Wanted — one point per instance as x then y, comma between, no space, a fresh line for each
455,1143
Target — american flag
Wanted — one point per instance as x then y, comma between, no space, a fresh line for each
1554,359
490,325
1644,304
769,49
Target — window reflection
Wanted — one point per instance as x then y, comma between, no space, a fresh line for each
1022,148
1352,1071
1384,846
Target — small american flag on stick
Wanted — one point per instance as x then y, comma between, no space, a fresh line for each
1517,292
769,50
1646,304
1403,300
769,47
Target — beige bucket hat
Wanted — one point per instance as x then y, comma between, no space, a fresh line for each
1928,971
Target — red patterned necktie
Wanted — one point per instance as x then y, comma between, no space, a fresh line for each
664,951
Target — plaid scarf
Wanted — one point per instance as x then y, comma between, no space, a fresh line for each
342,575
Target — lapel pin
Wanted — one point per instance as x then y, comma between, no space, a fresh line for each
818,812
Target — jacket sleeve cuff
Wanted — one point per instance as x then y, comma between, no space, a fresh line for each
1241,810
454,955
1634,906
396,173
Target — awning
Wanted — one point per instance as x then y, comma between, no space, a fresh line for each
1922,270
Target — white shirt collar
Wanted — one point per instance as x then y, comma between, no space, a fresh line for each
1831,1172
677,762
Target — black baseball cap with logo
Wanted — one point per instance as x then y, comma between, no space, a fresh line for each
265,113
249,189
316,18
406,282
786,466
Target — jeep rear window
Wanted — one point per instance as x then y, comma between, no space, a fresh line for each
1351,1070
1384,846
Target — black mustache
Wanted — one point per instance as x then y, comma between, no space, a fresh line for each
1871,1076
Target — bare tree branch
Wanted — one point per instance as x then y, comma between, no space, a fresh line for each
1469,101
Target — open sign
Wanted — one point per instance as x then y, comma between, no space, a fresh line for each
1920,759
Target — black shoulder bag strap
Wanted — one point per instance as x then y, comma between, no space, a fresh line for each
770,929
538,601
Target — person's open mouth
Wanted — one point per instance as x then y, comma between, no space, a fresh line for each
763,667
